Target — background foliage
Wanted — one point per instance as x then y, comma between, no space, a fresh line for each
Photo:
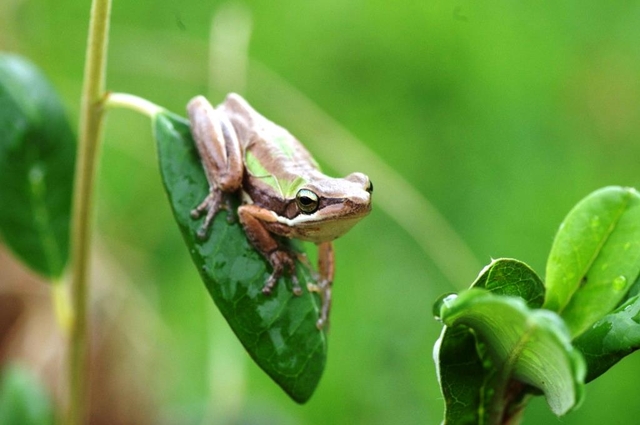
503,114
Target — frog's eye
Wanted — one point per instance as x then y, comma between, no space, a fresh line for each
307,201
370,187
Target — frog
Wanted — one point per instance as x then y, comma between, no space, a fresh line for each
283,192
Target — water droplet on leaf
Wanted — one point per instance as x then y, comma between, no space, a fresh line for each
441,302
619,283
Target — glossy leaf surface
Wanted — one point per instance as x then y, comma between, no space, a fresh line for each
595,257
279,331
611,338
531,346
37,160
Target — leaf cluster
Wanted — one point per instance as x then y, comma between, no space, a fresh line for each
511,336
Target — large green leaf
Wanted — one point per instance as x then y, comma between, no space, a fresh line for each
530,346
611,338
279,331
595,257
23,401
465,377
37,157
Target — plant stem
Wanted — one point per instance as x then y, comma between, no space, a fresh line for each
91,118
133,102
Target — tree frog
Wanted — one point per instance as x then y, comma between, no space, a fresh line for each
284,193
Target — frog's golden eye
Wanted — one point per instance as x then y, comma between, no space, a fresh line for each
307,201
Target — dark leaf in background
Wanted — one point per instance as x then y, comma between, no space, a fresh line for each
37,160
23,400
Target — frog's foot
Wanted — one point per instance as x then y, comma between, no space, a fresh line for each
210,205
282,261
324,289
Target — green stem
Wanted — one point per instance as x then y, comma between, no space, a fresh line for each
133,102
91,118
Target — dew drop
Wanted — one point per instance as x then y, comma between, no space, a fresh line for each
441,302
619,283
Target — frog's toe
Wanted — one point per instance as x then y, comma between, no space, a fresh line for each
210,205
202,232
297,290
206,205
320,324
270,283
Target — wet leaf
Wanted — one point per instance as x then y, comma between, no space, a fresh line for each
37,160
611,338
279,331
595,257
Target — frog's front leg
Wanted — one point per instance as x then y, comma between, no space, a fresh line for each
255,221
220,154
326,268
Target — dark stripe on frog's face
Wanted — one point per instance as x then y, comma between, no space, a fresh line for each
261,194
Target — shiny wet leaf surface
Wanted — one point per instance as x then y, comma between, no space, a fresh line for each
595,257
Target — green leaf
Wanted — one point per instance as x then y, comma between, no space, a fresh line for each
595,257
23,401
461,374
531,346
611,338
506,276
279,331
464,377
37,160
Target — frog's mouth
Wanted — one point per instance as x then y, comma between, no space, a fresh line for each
326,224
324,231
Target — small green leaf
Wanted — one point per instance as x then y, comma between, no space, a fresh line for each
279,331
464,377
611,338
595,257
506,276
37,160
23,401
531,346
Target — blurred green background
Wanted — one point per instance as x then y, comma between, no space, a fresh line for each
501,114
